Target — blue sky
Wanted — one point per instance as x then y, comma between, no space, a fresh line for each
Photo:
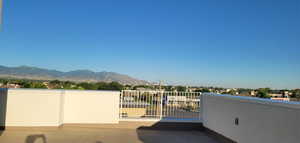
232,43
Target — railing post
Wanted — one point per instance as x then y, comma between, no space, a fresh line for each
161,105
201,106
121,105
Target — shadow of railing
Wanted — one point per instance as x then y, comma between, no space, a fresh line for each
147,134
3,106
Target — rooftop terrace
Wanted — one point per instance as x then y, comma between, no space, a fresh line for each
72,116
124,133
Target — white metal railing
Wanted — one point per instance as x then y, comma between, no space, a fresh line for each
163,105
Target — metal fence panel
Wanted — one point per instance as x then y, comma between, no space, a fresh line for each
164,105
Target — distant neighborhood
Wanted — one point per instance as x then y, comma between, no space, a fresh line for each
274,94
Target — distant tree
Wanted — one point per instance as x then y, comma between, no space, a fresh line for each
88,86
142,86
109,86
296,93
68,85
38,85
5,82
55,82
168,88
203,90
26,85
263,93
243,90
116,86
231,92
181,88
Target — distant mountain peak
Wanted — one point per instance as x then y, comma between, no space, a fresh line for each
29,72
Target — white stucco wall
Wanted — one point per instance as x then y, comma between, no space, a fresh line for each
34,107
260,121
91,107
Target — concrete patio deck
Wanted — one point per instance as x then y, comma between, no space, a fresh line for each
124,133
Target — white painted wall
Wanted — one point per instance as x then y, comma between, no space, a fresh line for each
31,107
91,107
260,121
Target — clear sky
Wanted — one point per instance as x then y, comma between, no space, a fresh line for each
228,43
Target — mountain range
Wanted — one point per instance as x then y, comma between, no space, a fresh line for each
34,73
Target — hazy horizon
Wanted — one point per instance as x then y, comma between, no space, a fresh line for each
248,44
156,82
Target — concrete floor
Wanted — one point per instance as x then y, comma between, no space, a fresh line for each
75,134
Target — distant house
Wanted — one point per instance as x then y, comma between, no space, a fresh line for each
253,93
280,96
12,86
180,100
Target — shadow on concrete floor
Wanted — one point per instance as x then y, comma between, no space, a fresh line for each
165,132
34,138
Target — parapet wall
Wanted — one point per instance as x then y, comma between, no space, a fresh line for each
252,120
38,107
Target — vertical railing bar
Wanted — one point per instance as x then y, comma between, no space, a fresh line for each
161,105
198,105
151,105
134,102
189,104
171,105
175,103
128,102
187,94
156,114
148,102
166,104
157,105
183,104
193,104
125,100
173,111
176,107
131,102
154,105
138,101
180,106
145,102
121,112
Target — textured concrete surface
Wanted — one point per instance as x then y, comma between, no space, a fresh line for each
77,134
